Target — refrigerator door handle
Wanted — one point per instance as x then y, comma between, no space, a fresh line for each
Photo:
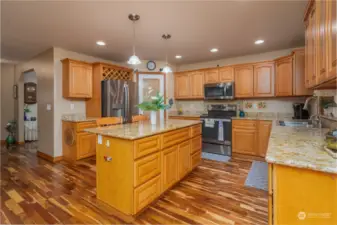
126,102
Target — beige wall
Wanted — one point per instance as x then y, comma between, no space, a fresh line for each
7,102
44,68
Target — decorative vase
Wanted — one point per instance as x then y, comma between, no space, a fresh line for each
153,117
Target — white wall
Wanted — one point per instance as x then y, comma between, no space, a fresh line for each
30,76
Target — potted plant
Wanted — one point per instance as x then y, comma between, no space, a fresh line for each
156,104
10,127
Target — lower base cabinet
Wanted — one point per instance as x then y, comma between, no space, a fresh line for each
251,137
131,179
301,196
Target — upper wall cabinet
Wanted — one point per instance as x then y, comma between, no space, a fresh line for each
211,76
76,79
197,84
182,85
284,76
244,81
226,74
299,79
320,44
264,79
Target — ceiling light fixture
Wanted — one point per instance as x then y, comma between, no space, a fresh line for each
166,69
134,60
100,43
214,50
178,56
258,42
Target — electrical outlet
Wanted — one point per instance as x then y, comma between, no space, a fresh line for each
72,106
48,107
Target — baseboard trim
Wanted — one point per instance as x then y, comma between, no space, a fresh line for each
48,157
20,142
3,142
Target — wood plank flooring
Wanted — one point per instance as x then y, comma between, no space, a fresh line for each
34,190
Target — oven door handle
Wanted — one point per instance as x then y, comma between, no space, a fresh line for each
217,120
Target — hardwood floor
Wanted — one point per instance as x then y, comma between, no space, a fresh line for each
34,190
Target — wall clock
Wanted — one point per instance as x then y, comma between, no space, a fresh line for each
151,65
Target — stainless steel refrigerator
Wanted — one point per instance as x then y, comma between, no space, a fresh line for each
119,99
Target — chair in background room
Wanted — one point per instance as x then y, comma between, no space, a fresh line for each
107,121
138,118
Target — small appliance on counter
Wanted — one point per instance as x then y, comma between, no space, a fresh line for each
217,129
299,112
219,91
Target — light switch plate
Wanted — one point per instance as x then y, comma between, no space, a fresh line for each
107,143
72,106
48,107
99,139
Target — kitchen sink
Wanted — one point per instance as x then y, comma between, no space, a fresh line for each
293,123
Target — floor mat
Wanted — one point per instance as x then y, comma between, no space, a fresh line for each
258,176
215,157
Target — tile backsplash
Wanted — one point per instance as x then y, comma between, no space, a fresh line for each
281,105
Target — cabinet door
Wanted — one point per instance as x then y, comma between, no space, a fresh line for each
86,145
226,74
264,128
211,76
321,16
284,77
264,79
182,85
184,164
197,84
313,48
169,166
331,39
80,81
300,86
244,141
307,58
244,81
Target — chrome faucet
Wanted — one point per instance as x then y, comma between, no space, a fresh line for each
317,119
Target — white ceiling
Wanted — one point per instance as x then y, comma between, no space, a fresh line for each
29,27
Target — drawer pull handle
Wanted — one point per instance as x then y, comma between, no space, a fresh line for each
108,158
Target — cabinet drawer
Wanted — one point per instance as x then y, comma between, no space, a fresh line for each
84,125
146,193
247,124
196,130
196,144
195,159
146,168
175,137
146,146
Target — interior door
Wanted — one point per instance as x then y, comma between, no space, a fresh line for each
148,86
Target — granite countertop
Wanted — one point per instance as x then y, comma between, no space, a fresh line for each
300,147
77,118
132,131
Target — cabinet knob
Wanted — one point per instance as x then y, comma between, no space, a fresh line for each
107,158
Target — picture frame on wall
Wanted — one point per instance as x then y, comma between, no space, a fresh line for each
15,91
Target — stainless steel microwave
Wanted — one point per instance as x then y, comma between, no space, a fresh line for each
219,91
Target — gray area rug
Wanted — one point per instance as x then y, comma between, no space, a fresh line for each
215,157
258,176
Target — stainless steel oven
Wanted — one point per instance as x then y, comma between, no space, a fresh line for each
219,91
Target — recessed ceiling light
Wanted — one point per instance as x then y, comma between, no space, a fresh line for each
258,42
100,43
178,56
214,50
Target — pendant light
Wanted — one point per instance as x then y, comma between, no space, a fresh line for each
166,69
134,60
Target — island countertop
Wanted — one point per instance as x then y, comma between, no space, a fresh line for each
300,147
132,131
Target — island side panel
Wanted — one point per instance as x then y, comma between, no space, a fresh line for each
115,177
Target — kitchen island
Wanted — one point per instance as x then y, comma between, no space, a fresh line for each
137,162
302,177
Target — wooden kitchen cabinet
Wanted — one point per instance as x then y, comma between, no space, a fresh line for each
299,78
264,79
264,128
184,158
76,79
226,74
244,137
182,85
77,144
211,75
284,76
321,17
244,81
169,167
197,84
331,39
